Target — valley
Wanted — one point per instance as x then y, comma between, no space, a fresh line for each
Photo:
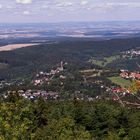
69,70
73,75
92,71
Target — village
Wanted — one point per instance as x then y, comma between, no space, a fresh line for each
129,75
131,53
40,78
114,93
133,77
117,92
43,77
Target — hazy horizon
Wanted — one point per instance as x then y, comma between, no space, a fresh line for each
73,22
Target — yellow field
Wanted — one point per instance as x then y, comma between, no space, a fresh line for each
15,46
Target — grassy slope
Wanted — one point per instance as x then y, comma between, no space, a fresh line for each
120,81
106,60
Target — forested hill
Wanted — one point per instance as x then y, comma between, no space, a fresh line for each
28,60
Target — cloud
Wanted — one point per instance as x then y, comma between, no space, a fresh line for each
9,7
84,2
66,4
26,13
124,4
53,10
107,6
0,6
24,1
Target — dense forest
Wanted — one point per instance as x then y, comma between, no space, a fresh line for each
22,119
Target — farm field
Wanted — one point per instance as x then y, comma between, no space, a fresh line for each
15,46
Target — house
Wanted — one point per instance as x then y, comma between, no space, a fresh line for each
135,75
118,90
124,75
130,75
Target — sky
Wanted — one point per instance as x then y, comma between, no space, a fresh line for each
37,11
